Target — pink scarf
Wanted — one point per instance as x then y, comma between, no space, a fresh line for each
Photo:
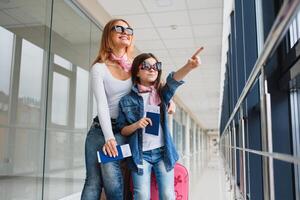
123,61
153,97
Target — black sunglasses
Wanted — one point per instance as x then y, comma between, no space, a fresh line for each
121,29
146,66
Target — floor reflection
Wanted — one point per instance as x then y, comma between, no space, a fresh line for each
206,174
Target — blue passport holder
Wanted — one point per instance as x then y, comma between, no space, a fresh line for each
155,118
123,152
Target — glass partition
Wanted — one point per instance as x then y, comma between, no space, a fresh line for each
46,49
24,42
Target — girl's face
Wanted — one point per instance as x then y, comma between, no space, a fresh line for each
121,35
148,72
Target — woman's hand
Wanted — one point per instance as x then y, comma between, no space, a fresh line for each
110,148
142,123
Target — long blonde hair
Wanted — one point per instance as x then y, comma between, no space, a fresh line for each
106,43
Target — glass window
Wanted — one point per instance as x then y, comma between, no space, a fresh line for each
6,54
295,125
192,136
28,152
4,157
6,48
60,99
294,31
29,98
82,83
197,138
62,62
71,105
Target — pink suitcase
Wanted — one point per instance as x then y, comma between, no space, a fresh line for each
181,184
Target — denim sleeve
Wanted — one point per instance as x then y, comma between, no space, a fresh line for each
121,120
170,87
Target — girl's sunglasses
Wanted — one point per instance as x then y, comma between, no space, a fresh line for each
121,29
148,67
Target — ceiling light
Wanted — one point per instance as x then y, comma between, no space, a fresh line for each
164,3
173,26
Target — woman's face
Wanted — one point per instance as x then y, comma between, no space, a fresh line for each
121,39
148,75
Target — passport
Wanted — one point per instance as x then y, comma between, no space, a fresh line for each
155,118
123,152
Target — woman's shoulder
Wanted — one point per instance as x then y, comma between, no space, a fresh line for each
98,68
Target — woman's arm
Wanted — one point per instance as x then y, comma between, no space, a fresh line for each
97,74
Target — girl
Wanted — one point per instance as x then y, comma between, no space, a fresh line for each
143,117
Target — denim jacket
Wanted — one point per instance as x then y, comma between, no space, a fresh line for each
131,109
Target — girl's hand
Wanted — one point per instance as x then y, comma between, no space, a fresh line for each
171,107
194,61
110,148
142,123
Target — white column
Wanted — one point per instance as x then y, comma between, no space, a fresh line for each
187,142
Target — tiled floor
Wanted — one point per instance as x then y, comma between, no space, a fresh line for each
211,183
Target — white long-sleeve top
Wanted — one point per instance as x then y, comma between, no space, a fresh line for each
108,91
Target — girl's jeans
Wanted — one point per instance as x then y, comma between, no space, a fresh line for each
109,176
152,159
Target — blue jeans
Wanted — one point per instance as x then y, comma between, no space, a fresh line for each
165,179
107,175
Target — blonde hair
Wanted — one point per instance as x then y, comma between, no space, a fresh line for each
106,43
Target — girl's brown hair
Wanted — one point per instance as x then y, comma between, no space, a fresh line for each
136,67
106,43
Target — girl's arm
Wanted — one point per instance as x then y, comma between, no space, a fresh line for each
192,63
142,123
174,80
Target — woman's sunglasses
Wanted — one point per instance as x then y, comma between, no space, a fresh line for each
148,67
121,29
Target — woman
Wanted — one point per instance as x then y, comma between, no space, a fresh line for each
111,80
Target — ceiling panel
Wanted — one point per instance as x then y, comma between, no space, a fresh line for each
166,19
146,34
137,21
211,16
161,53
175,32
186,52
117,7
150,44
196,4
208,41
163,5
180,43
208,30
